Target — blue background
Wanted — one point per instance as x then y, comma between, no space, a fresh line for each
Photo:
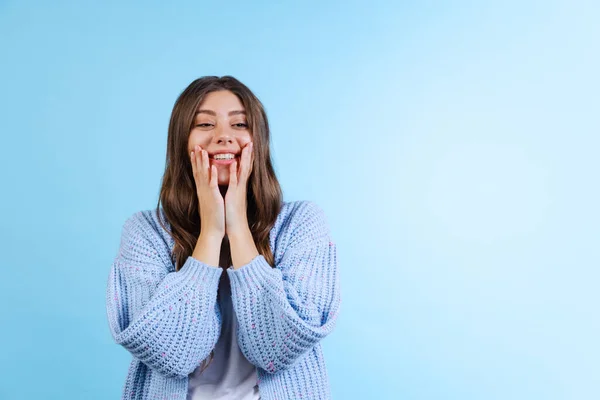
453,145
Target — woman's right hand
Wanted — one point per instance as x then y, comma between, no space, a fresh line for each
210,201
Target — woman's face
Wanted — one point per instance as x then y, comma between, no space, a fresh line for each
220,124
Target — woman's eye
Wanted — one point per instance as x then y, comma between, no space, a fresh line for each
239,125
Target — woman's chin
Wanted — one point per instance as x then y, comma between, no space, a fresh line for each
223,178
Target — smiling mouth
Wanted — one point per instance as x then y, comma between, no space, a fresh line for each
224,161
213,157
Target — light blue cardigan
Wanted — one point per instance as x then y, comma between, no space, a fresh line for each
170,320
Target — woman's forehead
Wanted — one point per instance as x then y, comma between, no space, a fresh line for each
221,102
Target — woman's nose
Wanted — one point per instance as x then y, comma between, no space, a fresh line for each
221,135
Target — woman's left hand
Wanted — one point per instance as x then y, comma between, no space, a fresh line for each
235,198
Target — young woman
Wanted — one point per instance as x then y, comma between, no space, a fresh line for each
193,331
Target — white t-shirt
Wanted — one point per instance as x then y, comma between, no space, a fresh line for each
230,375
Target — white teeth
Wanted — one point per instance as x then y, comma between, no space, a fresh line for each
225,156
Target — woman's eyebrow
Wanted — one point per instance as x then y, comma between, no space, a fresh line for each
211,112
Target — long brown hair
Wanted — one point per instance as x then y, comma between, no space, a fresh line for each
178,189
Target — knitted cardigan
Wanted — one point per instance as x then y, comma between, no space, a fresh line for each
169,321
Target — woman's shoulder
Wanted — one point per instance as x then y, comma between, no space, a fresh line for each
148,222
143,236
299,211
301,218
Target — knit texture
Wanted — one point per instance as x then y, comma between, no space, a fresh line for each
169,320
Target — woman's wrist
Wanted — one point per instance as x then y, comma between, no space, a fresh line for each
243,248
208,249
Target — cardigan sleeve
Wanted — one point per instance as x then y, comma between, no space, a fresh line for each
285,311
170,321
